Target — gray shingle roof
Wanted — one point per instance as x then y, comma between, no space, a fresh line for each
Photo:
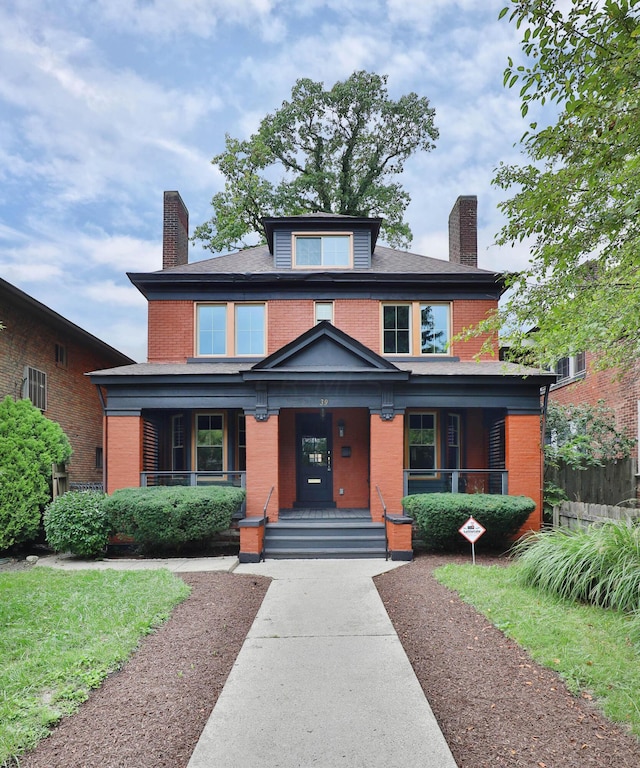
384,260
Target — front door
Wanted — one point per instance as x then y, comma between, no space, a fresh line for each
313,460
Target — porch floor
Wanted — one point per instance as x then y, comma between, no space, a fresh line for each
324,514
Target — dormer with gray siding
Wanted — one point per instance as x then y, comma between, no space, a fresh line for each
321,241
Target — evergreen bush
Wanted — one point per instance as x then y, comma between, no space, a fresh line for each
439,517
169,518
78,523
29,444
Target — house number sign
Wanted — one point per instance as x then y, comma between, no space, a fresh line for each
324,401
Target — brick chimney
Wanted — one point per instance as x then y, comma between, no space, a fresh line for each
175,232
463,231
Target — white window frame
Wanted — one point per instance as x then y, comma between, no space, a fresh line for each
317,313
576,370
295,236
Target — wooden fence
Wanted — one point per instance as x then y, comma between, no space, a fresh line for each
578,514
609,484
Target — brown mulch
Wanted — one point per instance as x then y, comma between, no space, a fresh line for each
151,713
495,706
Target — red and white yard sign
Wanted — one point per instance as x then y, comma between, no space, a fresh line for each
472,531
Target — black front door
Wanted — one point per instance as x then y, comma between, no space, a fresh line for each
313,460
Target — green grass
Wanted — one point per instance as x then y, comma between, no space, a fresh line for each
595,650
62,633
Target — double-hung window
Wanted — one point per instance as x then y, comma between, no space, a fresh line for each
422,441
209,442
230,329
417,328
322,250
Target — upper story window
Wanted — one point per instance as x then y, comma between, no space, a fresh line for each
61,355
324,311
571,367
230,329
315,250
417,328
35,387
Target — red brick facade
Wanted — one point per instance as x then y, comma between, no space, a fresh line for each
621,393
29,340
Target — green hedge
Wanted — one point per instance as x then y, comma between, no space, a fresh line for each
439,516
168,518
77,522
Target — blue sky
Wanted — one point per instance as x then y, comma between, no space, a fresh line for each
104,104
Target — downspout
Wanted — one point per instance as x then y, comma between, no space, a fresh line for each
104,437
545,405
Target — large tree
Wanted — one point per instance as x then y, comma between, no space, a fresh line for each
578,199
331,151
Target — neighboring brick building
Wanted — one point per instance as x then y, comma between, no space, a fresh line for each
321,368
579,381
45,357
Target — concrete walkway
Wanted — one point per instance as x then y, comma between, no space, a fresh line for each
321,680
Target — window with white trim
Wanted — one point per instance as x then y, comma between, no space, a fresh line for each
570,367
230,329
324,311
35,387
317,250
416,328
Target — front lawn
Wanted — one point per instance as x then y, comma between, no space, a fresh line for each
62,633
595,650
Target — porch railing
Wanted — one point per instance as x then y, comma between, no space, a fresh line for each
149,479
456,481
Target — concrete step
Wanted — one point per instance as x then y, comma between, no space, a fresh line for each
324,538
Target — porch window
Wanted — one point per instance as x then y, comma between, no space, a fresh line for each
212,329
415,328
242,442
422,441
321,250
250,329
209,442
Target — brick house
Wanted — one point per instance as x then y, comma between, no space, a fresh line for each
319,371
45,357
580,382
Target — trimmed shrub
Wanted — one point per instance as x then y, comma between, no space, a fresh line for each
78,523
29,444
169,518
439,516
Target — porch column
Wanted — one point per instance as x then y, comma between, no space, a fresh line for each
262,466
387,464
123,452
523,460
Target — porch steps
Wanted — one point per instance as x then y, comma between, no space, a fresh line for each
324,538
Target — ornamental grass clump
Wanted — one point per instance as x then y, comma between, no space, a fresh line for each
599,565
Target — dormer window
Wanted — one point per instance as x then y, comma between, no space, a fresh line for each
322,250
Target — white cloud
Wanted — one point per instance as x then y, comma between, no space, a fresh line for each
108,292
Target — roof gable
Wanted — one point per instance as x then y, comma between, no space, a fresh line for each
326,350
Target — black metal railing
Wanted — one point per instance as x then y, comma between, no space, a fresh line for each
384,518
456,481
150,479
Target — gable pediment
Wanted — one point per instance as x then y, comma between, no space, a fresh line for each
324,350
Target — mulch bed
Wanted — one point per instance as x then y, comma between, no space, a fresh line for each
151,713
495,706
